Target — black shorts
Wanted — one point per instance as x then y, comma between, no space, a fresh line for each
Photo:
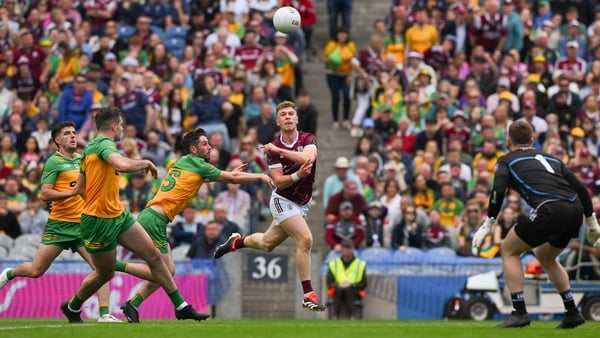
555,223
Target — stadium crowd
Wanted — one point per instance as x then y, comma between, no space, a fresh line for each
435,90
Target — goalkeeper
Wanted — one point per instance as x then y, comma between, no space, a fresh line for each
558,201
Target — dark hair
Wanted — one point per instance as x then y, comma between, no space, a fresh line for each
58,127
107,116
191,139
520,132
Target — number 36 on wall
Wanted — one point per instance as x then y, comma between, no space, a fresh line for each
267,267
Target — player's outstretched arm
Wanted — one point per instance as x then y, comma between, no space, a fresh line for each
127,165
239,177
309,153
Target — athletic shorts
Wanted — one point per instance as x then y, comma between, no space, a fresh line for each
554,222
66,235
282,208
155,225
100,234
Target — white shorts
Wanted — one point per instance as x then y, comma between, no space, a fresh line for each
282,208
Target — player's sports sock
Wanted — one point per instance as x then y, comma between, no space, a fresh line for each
518,300
9,274
103,310
568,300
176,299
307,286
136,300
75,303
238,243
121,266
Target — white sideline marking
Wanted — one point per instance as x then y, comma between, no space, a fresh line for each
28,327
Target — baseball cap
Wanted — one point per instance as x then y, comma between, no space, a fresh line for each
548,23
126,76
509,2
347,242
424,71
415,54
506,95
368,123
23,60
346,205
544,3
504,82
342,162
110,56
534,78
573,43
390,165
279,34
573,23
350,184
375,204
96,106
443,95
458,113
45,42
578,132
539,58
138,174
130,61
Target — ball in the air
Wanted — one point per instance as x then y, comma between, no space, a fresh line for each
286,19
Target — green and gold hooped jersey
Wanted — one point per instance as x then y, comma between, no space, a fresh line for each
101,179
182,182
63,172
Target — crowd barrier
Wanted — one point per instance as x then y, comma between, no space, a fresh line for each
41,297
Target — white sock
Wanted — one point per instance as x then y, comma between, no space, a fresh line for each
181,306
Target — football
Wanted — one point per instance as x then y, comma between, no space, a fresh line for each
286,20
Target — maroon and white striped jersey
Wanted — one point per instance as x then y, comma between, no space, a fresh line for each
571,66
301,191
489,30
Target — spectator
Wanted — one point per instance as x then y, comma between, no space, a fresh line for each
335,182
187,230
338,55
238,204
349,193
156,150
345,226
337,9
409,232
421,36
33,219
466,230
391,200
138,192
16,201
205,245
9,225
347,280
227,227
436,235
134,105
374,218
307,113
265,124
75,103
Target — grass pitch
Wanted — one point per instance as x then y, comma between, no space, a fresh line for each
264,328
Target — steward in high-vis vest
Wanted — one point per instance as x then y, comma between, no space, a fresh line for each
347,280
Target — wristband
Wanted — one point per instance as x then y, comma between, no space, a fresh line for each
295,177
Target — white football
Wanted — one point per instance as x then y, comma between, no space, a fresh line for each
286,19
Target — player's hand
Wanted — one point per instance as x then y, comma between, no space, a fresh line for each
482,233
151,168
593,230
240,168
305,169
271,149
268,180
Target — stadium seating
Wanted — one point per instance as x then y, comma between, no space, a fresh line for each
442,251
6,242
176,32
180,252
158,31
412,251
331,255
175,46
3,252
24,252
376,255
66,254
32,240
125,31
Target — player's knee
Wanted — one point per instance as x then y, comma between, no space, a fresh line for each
304,242
37,271
268,246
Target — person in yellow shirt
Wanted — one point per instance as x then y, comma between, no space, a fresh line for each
338,55
68,66
421,36
179,186
394,42
105,222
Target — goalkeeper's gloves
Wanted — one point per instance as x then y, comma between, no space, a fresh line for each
484,230
593,230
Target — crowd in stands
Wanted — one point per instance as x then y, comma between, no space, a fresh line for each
436,88
171,67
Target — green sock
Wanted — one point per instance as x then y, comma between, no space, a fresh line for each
104,310
137,300
9,274
75,303
176,298
121,266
